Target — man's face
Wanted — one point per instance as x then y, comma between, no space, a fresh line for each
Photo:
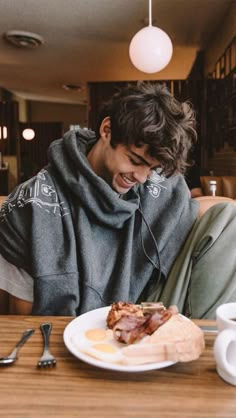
122,167
125,166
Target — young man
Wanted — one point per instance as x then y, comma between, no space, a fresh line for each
108,218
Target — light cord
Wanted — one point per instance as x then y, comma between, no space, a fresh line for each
150,12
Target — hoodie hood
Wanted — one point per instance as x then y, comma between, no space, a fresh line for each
67,157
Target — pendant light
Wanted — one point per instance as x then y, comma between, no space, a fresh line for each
150,49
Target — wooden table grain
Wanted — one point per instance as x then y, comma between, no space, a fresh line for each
76,389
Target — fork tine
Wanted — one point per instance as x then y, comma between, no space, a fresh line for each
46,363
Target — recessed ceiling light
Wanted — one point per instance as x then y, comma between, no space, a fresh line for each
72,87
23,39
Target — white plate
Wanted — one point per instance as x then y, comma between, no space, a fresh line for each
97,319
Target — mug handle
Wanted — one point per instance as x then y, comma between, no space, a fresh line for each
222,342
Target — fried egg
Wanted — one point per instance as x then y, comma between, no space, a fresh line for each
100,344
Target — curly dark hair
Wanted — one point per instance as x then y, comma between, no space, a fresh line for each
147,113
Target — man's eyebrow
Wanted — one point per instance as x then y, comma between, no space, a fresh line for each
140,158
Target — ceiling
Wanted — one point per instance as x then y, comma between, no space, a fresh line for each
88,40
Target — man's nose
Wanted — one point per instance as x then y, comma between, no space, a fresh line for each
142,174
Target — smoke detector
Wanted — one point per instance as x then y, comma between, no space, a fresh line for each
23,39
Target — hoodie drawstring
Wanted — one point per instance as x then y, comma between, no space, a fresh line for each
156,266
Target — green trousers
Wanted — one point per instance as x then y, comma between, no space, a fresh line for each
203,275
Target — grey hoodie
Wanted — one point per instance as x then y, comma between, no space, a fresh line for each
84,245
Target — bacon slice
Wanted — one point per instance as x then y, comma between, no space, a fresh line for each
130,323
120,309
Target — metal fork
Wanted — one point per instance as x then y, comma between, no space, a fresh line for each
47,359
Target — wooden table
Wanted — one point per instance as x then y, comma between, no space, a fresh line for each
76,389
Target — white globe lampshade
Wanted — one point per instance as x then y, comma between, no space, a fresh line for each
150,49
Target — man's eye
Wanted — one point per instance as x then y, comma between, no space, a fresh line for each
134,162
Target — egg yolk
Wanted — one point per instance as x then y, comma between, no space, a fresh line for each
105,348
95,334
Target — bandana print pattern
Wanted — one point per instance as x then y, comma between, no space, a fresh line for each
39,193
155,187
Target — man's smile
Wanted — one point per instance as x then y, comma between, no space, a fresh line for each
127,181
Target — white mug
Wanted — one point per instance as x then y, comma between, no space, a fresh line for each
225,343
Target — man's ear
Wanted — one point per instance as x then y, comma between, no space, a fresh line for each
105,129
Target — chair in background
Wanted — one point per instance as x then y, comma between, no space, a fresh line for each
225,185
2,198
207,201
